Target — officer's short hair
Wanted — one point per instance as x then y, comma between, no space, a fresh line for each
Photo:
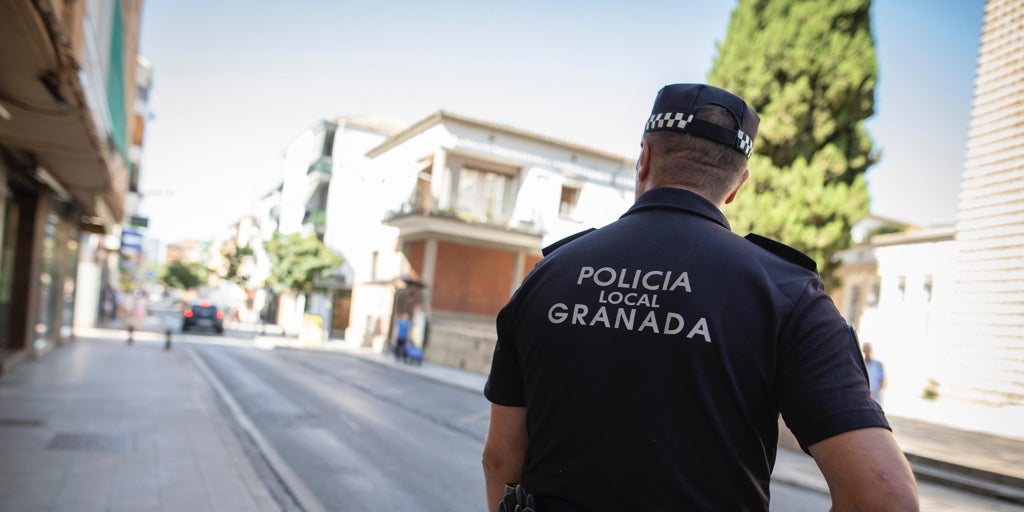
696,162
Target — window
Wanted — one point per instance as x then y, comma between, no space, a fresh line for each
872,298
852,304
901,288
567,204
484,196
927,288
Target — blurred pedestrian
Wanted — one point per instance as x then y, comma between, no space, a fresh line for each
402,336
122,307
108,305
139,309
876,373
643,366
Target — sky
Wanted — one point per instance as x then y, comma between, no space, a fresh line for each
234,82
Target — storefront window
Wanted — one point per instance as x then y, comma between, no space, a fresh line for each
57,270
48,297
68,241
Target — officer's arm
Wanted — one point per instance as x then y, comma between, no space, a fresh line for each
504,450
865,470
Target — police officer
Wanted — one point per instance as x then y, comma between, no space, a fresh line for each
643,366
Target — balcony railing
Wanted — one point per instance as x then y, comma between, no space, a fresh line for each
423,209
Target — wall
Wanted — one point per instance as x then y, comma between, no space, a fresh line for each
908,329
471,285
531,261
472,279
462,341
297,157
357,201
415,253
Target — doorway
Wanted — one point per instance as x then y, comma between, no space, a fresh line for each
15,260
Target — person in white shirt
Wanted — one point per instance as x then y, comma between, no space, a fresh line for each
876,373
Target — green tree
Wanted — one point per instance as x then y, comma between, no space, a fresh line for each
235,257
183,276
808,68
296,260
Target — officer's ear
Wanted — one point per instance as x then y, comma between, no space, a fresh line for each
743,179
643,164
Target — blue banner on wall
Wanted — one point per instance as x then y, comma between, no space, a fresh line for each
131,240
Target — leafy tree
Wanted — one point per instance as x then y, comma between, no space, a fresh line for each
296,260
235,257
808,68
183,276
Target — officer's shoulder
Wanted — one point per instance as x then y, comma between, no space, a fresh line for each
783,251
551,248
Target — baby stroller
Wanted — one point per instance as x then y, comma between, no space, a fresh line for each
413,354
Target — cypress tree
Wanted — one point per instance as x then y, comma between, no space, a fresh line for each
808,67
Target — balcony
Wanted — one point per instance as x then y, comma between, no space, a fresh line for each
46,118
417,220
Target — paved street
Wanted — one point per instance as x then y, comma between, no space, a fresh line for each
225,423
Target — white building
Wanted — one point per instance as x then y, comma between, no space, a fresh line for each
906,314
441,220
989,308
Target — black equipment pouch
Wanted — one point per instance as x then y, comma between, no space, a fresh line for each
516,499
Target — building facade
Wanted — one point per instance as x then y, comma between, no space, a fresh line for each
987,342
326,189
442,220
905,306
67,86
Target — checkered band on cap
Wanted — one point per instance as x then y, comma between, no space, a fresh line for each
685,123
677,120
744,144
676,106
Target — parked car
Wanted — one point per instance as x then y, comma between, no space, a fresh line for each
203,314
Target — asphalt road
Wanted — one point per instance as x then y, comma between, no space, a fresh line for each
361,436
354,435
358,436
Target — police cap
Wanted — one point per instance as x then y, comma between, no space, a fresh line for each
676,104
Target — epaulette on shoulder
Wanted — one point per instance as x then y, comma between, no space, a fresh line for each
784,251
551,248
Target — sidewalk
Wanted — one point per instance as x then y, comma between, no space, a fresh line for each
98,424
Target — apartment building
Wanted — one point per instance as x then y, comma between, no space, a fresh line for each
67,87
441,219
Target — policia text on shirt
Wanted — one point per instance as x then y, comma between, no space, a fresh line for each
616,309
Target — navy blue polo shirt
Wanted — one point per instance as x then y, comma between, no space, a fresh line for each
654,356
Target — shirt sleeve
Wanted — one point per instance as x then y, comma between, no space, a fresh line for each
822,382
505,381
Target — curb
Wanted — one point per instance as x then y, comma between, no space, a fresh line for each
415,370
965,478
293,484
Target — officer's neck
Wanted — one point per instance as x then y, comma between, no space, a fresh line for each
646,185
